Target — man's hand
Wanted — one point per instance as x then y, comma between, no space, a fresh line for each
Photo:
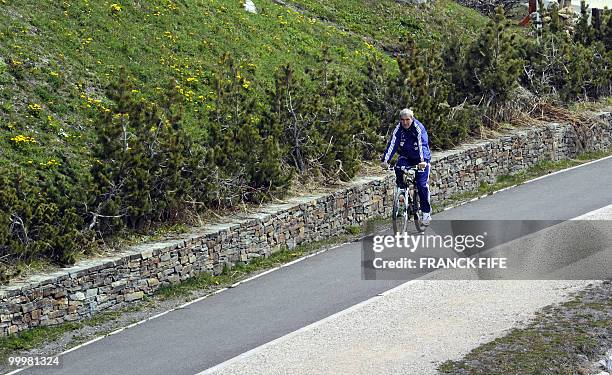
384,165
422,165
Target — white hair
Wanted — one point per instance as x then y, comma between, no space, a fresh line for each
406,113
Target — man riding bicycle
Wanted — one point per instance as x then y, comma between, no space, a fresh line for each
410,140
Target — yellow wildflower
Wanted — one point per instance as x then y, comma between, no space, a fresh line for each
115,8
23,139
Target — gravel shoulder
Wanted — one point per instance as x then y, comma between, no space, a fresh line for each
411,329
570,338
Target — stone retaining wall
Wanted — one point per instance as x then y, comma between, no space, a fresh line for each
463,169
94,285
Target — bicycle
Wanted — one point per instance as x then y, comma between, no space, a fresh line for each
406,205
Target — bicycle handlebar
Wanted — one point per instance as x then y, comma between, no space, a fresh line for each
405,169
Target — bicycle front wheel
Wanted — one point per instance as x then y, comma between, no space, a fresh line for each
400,213
416,212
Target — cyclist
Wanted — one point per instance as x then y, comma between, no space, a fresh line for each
410,140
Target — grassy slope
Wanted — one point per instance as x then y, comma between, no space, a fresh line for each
387,21
55,56
64,55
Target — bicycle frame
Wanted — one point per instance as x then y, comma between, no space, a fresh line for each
409,209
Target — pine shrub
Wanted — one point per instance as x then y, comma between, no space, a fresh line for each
138,162
492,63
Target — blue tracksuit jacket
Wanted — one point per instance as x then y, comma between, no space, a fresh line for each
411,144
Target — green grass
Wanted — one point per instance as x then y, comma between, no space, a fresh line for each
601,104
34,337
377,224
538,351
56,58
354,229
388,21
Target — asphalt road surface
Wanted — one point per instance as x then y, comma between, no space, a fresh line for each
223,326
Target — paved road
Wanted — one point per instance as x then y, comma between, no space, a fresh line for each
413,328
230,323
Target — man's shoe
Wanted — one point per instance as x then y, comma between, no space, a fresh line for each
426,218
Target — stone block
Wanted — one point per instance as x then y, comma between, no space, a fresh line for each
134,296
119,284
35,314
25,308
13,329
78,296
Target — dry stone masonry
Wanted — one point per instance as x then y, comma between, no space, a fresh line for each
465,168
90,286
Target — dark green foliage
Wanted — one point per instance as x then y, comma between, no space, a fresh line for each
138,161
492,64
366,128
429,93
238,164
561,68
321,122
338,120
601,29
584,33
544,71
169,148
289,117
607,32
429,83
453,56
588,60
602,56
384,94
341,156
577,62
41,215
